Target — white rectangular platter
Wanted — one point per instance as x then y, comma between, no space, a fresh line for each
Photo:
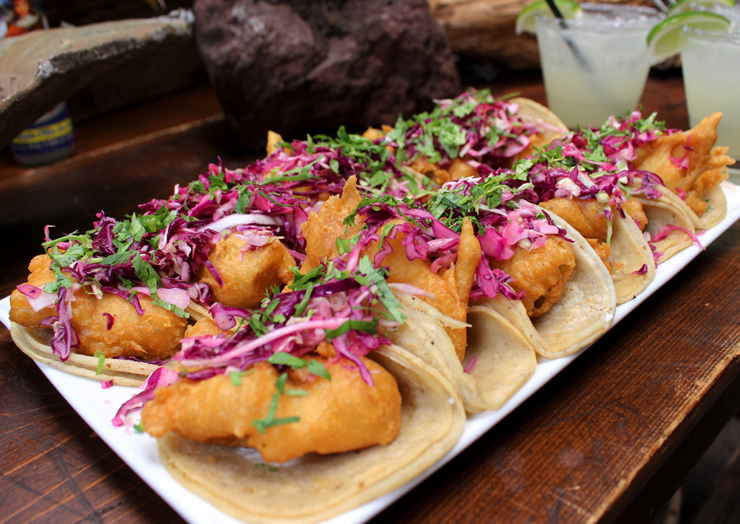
97,406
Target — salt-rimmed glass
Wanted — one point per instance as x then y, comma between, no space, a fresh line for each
597,65
711,73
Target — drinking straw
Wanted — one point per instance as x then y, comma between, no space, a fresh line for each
576,53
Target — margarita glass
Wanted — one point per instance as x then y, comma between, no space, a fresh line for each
595,66
711,75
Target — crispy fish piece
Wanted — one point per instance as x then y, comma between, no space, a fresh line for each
688,161
588,218
155,334
21,311
542,273
337,415
450,288
247,272
322,229
203,327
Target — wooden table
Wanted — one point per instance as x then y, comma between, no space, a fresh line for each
608,440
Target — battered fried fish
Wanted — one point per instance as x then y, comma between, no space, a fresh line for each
337,415
322,229
542,273
108,324
450,287
204,326
588,218
688,162
21,311
247,272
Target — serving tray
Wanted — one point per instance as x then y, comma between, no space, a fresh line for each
97,406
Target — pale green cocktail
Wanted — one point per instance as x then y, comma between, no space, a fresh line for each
711,73
596,66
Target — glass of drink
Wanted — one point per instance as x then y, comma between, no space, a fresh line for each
595,66
711,74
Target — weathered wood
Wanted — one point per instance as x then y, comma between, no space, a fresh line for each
484,29
606,441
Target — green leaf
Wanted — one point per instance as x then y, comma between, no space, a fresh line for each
236,376
317,368
280,383
61,281
386,296
282,358
147,274
303,304
101,361
73,253
119,258
296,393
357,325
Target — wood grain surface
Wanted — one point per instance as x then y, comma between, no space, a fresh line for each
608,440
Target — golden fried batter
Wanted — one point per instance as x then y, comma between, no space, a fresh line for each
340,415
634,209
451,287
247,273
155,334
322,229
204,326
603,251
430,170
20,310
273,139
460,169
587,217
541,273
707,164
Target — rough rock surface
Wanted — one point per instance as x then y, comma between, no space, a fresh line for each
291,66
42,68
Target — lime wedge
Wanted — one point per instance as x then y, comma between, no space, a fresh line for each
683,6
525,22
665,38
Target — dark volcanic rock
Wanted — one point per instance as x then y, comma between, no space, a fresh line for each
290,66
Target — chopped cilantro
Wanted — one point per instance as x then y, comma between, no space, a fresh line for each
236,376
101,361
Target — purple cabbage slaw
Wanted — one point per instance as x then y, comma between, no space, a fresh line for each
475,125
594,164
159,251
348,308
432,226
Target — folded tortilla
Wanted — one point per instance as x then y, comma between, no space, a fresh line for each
317,487
584,312
504,359
631,250
36,343
547,122
670,210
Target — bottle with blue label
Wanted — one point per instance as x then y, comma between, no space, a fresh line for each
51,137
